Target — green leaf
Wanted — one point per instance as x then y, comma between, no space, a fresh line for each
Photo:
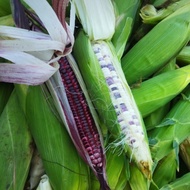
15,146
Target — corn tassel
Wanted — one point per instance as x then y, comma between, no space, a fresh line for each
164,88
146,56
15,146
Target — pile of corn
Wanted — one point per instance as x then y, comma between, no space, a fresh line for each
95,95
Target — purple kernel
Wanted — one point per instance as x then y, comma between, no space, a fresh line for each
95,161
89,149
96,155
99,164
109,81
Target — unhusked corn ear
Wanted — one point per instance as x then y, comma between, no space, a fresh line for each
165,171
185,151
53,142
179,184
173,130
149,54
155,118
164,88
112,98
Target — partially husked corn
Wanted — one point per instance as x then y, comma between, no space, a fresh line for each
116,100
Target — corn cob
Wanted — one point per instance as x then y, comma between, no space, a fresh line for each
15,146
83,129
179,184
172,131
57,155
146,56
164,88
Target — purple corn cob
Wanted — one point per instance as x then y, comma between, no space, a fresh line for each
83,130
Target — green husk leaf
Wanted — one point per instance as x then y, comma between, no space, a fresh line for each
179,184
176,128
165,171
15,146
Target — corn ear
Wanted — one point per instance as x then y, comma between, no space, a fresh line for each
79,116
53,142
165,171
179,184
185,151
172,131
103,92
155,118
146,56
164,88
15,146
